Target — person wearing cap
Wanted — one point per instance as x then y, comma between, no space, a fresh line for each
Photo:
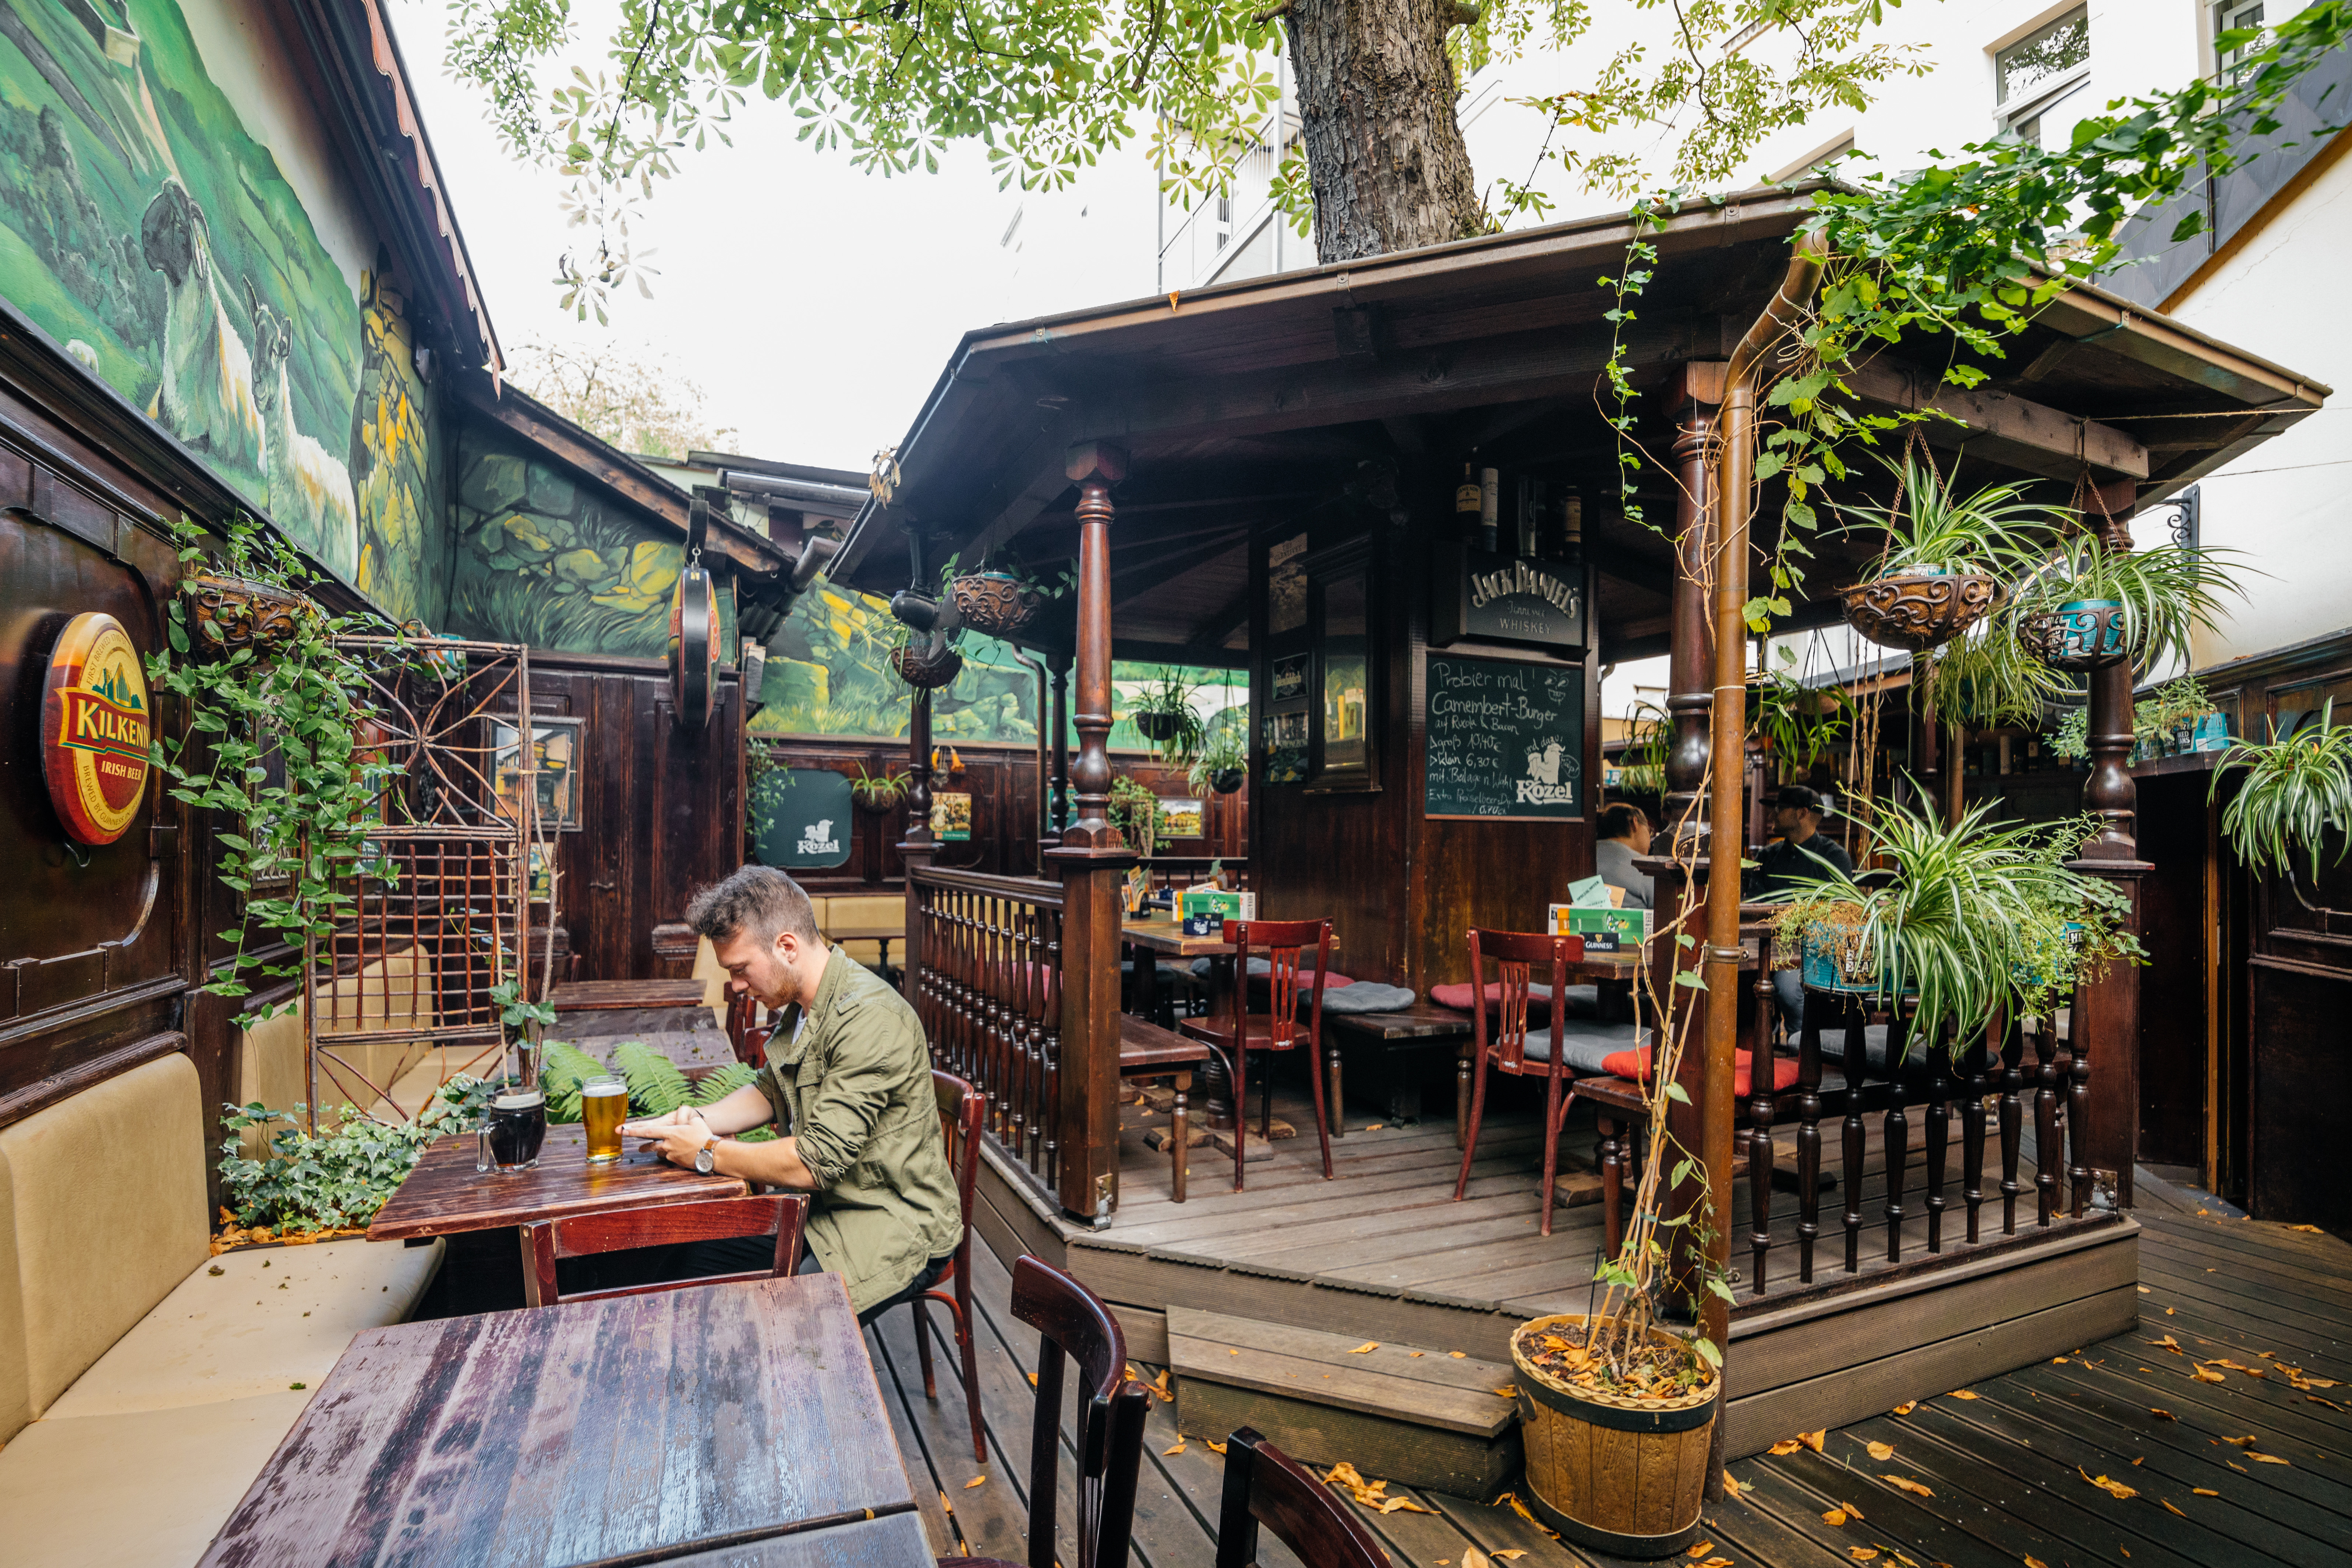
1801,854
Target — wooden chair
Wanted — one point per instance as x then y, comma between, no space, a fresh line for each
1240,1032
1507,1051
1266,1485
661,1225
1075,1325
961,1112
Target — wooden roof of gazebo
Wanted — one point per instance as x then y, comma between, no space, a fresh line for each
1372,382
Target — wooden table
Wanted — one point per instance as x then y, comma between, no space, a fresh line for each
636,1429
606,1007
445,1196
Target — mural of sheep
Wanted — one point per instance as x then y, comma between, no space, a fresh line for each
206,398
310,491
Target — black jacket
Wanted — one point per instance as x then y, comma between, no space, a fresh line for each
1781,865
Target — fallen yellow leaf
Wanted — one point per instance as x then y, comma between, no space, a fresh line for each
1701,1549
1960,1393
1457,1355
1213,1445
1880,1450
1032,1377
2032,1562
2112,1488
2162,1414
1375,1126
2204,1491
1390,1505
2268,1460
2307,1229
2315,1399
1508,1391
1413,1354
1902,1484
1834,1518
974,1482
1731,1487
1177,1449
1862,1553
1907,1406
1814,1440
1785,1446
2170,1506
2207,1374
1717,1562
1850,1508
2248,1441
1474,1558
1366,1348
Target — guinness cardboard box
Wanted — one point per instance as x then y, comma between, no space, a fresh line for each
1603,929
1206,913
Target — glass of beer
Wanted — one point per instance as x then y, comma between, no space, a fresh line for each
603,1106
512,1131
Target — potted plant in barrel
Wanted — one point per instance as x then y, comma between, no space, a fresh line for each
2083,606
1001,600
1164,715
1944,561
877,793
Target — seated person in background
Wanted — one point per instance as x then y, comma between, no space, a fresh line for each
1801,854
848,1080
1624,833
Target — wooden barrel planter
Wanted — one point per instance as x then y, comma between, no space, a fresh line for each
1618,1475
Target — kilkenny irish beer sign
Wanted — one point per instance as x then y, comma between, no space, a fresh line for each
96,728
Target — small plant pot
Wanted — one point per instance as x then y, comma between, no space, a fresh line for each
992,603
876,801
1915,610
925,669
233,613
1615,1474
1156,727
1834,960
1225,781
2081,635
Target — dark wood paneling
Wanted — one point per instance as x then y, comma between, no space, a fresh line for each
2176,923
2301,1097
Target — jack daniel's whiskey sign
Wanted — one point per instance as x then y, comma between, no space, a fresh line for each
1495,597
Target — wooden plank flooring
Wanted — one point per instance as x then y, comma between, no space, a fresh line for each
2009,1471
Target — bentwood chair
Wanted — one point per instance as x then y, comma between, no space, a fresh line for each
1241,1031
962,1111
1075,1325
719,1219
1512,1047
1266,1485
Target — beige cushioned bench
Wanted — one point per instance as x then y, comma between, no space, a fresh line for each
140,1391
862,911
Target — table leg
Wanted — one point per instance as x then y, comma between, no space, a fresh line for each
1147,981
1462,1096
1339,1122
1182,1127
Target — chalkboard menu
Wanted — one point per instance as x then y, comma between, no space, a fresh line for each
1505,739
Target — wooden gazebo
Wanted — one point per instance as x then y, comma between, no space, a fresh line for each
1269,473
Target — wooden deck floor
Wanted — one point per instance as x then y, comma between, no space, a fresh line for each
2008,1470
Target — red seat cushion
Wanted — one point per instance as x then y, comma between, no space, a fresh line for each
1635,1065
1460,996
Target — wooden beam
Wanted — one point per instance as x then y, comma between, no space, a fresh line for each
2029,436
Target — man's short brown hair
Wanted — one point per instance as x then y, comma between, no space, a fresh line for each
1619,820
759,899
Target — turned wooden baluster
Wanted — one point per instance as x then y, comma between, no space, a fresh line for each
1808,1140
1897,1129
1972,1125
2012,1121
1939,1135
1046,1159
1857,1071
2078,1113
1759,1113
2048,1152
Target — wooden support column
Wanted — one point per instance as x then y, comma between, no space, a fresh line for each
2104,1032
1690,662
1093,860
915,850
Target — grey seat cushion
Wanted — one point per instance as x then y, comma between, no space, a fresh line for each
1364,997
1584,1043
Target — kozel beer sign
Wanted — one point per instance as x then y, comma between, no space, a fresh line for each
95,732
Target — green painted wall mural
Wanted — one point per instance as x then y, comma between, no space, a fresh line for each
544,559
144,228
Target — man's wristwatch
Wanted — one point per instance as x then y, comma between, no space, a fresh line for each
706,1158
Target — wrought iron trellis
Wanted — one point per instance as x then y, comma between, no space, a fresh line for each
433,914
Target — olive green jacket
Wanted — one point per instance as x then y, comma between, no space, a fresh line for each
855,1091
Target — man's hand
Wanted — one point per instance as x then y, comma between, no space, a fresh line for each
681,1135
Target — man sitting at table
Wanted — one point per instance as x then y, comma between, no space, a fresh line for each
848,1077
1802,853
1624,833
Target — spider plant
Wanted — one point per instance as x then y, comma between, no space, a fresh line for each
1642,766
2297,790
1933,529
1223,751
2166,590
1972,917
1799,722
1987,678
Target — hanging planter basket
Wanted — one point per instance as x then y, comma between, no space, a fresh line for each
233,613
1609,1472
2080,635
993,604
1915,610
874,800
1225,781
927,668
1157,727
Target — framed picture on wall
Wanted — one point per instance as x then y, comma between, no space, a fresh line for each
1341,707
1286,564
1180,819
555,751
1290,677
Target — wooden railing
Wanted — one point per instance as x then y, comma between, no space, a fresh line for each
2006,1069
989,955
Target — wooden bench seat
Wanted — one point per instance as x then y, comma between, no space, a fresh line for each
144,1382
1400,1050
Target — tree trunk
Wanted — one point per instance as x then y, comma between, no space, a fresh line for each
1384,155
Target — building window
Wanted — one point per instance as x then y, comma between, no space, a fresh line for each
2039,73
2233,15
